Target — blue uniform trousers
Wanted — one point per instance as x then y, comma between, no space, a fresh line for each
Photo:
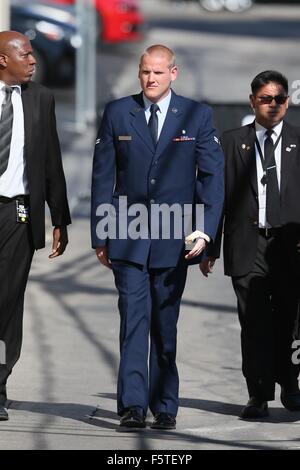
149,302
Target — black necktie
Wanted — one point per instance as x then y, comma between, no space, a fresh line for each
153,123
6,122
272,190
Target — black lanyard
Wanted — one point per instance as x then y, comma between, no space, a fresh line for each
262,159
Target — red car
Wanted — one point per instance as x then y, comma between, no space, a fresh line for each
120,20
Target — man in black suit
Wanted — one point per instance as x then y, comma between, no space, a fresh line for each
262,242
31,173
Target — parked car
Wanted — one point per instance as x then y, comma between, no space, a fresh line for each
218,5
235,5
119,20
230,5
53,34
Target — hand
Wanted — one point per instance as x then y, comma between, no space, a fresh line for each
206,266
60,241
197,250
101,253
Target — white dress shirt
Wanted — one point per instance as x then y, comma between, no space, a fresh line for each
14,181
161,113
261,137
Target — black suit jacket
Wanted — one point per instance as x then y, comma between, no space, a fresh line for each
43,161
240,219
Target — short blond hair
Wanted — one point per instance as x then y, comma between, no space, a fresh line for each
160,50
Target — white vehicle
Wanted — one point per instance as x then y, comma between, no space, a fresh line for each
230,5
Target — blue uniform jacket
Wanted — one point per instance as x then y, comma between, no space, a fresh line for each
186,167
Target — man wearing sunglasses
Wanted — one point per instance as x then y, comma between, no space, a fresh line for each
262,243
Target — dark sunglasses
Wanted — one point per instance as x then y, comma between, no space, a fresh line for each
267,99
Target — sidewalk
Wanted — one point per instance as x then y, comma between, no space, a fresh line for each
62,392
63,389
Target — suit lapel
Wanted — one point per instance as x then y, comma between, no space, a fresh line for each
138,121
288,154
246,148
170,126
28,107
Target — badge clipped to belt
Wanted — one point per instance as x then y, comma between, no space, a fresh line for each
22,211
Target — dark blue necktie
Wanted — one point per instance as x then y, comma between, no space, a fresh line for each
6,121
272,190
153,123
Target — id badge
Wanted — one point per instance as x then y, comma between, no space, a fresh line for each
22,212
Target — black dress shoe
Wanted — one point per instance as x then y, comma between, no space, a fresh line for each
291,401
163,421
3,413
255,409
133,418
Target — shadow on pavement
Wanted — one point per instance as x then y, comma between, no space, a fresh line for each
98,417
75,411
277,415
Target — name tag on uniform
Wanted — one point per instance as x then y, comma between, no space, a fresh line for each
124,137
22,212
183,138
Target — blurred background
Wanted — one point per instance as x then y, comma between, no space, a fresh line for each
88,51
220,45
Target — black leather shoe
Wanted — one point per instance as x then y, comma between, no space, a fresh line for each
133,418
3,413
255,409
163,421
291,401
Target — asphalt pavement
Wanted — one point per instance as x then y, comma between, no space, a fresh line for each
218,54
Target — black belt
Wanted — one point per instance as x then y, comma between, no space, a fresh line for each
20,197
268,232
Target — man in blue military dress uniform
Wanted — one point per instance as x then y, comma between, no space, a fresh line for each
154,148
